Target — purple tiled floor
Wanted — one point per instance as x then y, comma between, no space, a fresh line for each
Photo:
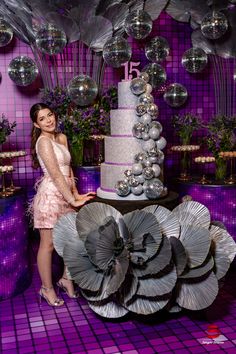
27,327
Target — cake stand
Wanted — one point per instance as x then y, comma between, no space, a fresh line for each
185,151
204,160
229,155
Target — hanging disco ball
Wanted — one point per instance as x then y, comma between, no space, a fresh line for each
116,51
50,39
6,33
138,24
22,70
157,49
82,90
214,25
194,60
156,73
175,95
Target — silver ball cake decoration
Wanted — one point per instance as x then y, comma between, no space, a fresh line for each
144,173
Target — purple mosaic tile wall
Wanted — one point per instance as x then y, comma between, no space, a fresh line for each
16,101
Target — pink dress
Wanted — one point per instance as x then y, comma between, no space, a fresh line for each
49,204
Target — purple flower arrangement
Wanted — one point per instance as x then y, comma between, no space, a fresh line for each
185,125
6,128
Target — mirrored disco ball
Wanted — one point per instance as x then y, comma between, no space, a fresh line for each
157,49
153,188
156,73
145,99
138,24
141,109
138,86
144,76
82,90
175,95
214,25
122,188
6,33
116,51
50,39
194,60
22,70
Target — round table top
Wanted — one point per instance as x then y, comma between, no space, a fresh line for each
170,201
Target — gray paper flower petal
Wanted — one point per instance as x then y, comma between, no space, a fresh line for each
183,10
144,306
66,24
169,223
158,286
223,242
117,14
154,7
196,241
198,272
128,289
179,255
198,295
140,223
158,263
92,216
109,310
193,213
81,269
64,230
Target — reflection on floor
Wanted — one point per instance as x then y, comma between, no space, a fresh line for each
27,327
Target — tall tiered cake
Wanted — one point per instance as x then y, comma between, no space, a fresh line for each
121,146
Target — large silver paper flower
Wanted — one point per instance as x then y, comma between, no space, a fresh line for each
145,260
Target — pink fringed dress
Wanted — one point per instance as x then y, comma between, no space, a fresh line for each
51,199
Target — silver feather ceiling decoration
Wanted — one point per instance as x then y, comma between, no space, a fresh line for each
128,263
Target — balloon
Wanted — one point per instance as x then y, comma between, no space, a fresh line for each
153,188
137,190
156,73
161,143
145,136
22,70
122,188
138,129
214,25
50,39
148,89
116,51
82,90
145,99
140,178
148,173
156,124
194,60
156,169
175,95
6,33
141,109
149,144
138,24
157,49
154,133
147,162
145,118
138,86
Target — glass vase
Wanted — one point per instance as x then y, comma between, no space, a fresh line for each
221,169
77,152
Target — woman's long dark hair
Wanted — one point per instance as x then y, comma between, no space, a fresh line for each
35,132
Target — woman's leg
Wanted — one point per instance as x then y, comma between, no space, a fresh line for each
44,261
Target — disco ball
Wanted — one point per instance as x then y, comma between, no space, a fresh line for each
6,33
157,49
116,51
138,86
153,188
156,73
194,60
122,188
144,76
138,24
214,25
82,90
175,95
50,39
22,70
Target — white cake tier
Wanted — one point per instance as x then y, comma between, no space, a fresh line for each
126,99
121,150
110,174
122,121
112,195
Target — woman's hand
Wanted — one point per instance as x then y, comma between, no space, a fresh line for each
81,199
82,196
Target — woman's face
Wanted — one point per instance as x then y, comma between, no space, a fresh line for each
46,121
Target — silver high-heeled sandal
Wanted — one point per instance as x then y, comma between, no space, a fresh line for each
62,287
56,303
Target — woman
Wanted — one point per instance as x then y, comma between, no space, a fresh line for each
56,194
